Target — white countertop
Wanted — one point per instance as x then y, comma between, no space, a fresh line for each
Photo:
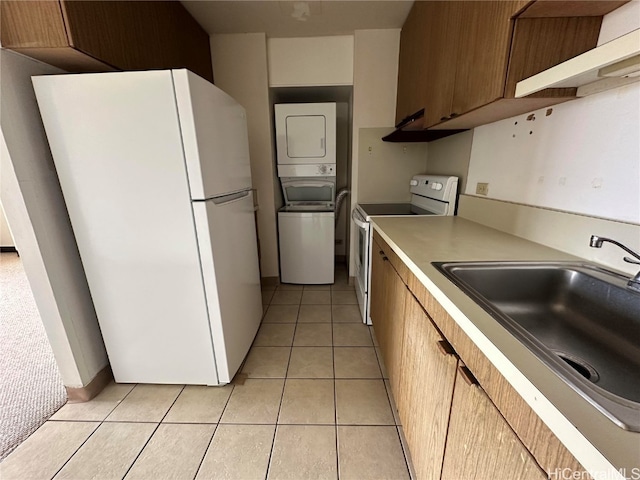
596,442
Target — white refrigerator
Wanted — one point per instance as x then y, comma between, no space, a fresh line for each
154,168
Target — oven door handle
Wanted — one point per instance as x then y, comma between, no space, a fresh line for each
359,221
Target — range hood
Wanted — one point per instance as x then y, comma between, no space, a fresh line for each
610,65
410,130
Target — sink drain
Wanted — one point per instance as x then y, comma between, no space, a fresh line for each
579,365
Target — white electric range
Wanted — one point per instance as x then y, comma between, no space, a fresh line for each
430,195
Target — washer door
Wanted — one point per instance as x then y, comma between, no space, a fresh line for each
308,190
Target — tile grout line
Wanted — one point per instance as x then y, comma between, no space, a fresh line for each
215,430
206,450
100,422
284,385
335,393
154,432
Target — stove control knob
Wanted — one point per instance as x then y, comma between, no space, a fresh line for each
436,186
413,183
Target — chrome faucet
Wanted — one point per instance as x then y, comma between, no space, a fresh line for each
633,283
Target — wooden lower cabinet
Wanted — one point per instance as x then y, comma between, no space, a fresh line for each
376,289
425,390
454,430
388,293
392,351
480,443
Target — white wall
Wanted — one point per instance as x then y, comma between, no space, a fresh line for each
450,156
311,61
240,69
583,158
6,240
34,206
385,168
375,82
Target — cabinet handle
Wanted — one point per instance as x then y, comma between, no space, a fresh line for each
467,375
445,348
454,114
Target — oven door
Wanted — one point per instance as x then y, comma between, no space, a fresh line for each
362,262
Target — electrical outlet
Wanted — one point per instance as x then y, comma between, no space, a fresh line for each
482,188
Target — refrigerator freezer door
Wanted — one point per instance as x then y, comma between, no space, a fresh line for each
214,132
229,253
117,149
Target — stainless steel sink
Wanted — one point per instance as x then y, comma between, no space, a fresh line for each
579,319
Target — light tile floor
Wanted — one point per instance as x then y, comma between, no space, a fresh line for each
312,401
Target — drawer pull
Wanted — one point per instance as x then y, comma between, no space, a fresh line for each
445,348
467,375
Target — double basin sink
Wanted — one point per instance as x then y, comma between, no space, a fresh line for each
579,319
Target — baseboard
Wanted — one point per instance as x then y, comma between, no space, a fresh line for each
93,388
270,281
8,250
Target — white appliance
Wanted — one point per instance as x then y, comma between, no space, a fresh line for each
431,195
305,134
306,245
306,224
306,152
154,168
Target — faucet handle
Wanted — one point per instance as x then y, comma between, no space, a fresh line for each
631,260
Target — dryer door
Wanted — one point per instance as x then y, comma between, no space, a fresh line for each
305,133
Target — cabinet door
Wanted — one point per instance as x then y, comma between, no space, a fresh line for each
443,30
376,289
483,53
480,443
138,35
424,400
391,348
32,24
412,61
388,293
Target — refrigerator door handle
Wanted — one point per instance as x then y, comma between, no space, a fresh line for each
226,199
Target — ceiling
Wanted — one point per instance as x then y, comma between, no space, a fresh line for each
297,18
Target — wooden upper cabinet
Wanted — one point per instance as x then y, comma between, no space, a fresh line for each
94,36
412,61
32,24
443,33
467,56
483,54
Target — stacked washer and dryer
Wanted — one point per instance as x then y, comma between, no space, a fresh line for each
306,153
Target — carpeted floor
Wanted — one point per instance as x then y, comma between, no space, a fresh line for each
31,389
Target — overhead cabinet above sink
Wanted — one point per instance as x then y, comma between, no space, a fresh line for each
460,61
